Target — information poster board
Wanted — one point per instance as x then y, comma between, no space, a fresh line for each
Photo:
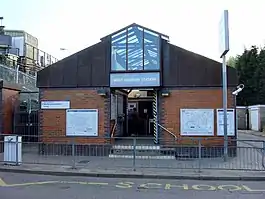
82,122
197,122
230,122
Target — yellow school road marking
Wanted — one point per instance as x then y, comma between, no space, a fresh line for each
83,183
2,182
31,183
145,186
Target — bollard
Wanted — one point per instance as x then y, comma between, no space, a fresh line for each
134,153
200,155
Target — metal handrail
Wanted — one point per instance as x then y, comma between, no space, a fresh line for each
168,131
113,130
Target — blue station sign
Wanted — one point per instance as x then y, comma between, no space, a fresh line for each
123,80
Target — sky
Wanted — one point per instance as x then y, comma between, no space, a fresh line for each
190,24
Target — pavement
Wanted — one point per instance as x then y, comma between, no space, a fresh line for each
248,165
25,186
255,133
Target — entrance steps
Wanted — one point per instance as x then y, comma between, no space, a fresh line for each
144,152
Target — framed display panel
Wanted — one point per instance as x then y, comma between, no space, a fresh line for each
81,122
230,122
197,122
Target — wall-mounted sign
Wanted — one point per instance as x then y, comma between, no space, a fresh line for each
230,122
124,80
82,122
224,34
197,122
55,104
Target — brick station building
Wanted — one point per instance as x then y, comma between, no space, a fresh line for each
101,77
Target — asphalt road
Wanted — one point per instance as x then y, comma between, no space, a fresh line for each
27,186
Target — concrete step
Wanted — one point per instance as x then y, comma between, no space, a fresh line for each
143,157
138,147
142,152
138,152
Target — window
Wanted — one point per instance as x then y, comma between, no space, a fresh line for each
118,51
151,51
135,49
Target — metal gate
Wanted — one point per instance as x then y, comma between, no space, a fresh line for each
155,113
25,122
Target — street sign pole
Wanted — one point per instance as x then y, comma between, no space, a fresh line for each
225,109
224,48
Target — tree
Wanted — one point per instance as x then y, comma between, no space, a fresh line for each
260,78
247,65
231,61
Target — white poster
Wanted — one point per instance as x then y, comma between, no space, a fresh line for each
197,122
82,122
230,122
55,104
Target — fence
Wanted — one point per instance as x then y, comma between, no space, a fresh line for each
105,153
14,76
25,116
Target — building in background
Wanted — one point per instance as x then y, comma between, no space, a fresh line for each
25,45
5,46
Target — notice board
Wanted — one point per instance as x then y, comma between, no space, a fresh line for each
230,122
197,122
81,122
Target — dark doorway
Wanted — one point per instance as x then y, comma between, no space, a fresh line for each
142,127
145,109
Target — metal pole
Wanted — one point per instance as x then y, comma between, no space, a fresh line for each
263,155
134,154
236,118
73,154
225,108
200,154
17,73
17,163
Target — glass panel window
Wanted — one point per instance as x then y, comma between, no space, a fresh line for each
135,48
151,51
118,51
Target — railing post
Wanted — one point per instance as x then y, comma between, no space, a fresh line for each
263,155
17,163
73,154
200,154
17,71
134,154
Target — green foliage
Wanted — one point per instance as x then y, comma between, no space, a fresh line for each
231,62
251,72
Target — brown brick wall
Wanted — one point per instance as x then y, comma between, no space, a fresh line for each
9,101
190,98
53,122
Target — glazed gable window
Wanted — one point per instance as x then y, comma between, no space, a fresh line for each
135,49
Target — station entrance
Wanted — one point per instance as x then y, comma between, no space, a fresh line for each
134,114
